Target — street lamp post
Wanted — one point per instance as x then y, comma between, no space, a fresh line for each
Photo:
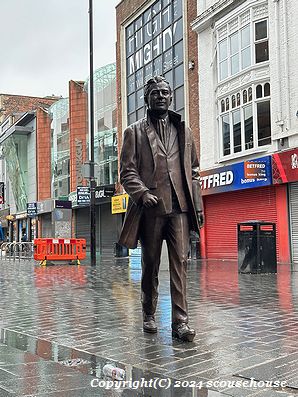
91,143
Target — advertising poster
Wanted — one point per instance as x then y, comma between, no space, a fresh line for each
244,175
119,203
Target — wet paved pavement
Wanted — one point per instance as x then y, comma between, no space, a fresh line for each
247,327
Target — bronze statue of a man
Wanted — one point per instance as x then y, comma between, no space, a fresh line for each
159,171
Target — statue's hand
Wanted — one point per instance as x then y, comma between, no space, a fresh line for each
149,200
201,218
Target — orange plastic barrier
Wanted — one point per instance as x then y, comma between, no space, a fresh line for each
59,249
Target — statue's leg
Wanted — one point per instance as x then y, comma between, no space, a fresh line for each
178,245
151,241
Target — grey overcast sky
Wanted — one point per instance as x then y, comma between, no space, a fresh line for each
45,43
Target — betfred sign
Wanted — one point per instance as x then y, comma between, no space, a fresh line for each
248,174
285,166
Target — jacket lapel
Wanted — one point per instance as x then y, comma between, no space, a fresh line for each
152,140
173,137
181,138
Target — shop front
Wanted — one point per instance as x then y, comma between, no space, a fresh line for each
285,175
32,221
54,218
107,225
21,225
4,223
237,193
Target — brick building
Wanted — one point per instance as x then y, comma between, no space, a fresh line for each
25,161
18,104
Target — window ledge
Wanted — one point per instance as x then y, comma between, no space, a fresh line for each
284,135
248,153
241,79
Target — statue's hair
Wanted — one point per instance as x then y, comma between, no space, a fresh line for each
153,81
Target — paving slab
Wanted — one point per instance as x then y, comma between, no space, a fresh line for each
244,323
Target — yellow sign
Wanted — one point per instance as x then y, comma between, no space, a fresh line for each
119,203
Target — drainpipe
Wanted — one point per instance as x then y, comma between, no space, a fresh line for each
286,61
279,120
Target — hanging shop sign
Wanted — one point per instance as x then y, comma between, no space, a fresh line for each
285,166
21,215
244,175
46,206
83,195
31,209
2,199
119,203
103,193
73,198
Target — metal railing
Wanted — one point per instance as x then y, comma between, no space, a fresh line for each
16,251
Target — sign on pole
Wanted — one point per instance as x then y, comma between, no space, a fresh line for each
83,195
2,193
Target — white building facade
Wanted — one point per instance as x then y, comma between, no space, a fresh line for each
247,57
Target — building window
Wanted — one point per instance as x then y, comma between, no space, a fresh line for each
247,125
241,43
261,41
154,46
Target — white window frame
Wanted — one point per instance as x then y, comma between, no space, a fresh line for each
229,32
254,103
261,40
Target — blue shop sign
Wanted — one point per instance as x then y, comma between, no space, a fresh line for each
244,175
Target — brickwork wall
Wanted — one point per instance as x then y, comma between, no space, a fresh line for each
193,76
43,154
19,103
78,123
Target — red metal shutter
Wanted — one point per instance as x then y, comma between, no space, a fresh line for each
224,211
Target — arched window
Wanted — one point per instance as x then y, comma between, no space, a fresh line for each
244,94
222,105
238,99
259,91
227,104
233,101
267,89
249,94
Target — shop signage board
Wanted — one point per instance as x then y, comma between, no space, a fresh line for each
31,209
83,195
73,198
244,175
21,215
45,206
2,200
119,203
65,204
285,166
103,193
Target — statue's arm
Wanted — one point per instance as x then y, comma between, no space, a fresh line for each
129,173
196,186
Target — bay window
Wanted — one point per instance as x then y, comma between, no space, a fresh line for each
241,44
245,122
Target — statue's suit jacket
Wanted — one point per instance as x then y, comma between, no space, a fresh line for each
139,173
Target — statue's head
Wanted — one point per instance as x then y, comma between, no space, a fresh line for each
158,94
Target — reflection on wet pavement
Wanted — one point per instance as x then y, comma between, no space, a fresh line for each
69,312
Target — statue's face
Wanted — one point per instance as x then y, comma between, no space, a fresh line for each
159,98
